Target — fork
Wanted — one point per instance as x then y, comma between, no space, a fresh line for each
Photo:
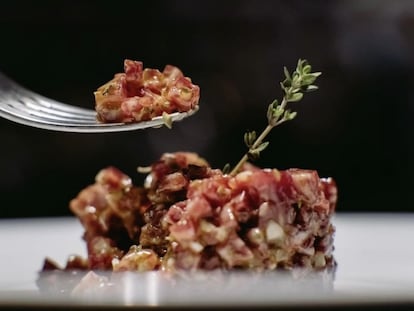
26,107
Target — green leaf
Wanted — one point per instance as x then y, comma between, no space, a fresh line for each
311,88
296,79
249,138
254,154
295,97
287,74
292,115
308,79
307,69
226,169
167,119
262,146
300,64
270,110
278,111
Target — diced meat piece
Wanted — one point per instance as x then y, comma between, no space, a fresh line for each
137,259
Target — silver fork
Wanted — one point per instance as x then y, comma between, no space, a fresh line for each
23,106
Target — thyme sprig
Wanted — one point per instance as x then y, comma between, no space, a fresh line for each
294,86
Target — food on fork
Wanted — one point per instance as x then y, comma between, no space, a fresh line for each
140,94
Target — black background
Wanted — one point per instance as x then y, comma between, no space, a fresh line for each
357,128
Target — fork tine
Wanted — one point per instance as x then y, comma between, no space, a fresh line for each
41,103
15,92
18,109
32,106
58,106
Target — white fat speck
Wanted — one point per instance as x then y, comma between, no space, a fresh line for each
90,209
255,235
244,176
274,233
115,262
263,209
196,247
281,255
319,260
148,181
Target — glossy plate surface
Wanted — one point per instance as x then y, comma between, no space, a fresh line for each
375,256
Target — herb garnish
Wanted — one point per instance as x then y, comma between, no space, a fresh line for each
294,86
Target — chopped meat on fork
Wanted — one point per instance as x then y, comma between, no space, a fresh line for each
140,94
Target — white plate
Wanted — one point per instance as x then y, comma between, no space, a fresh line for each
375,255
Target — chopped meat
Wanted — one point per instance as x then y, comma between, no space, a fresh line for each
189,216
111,208
258,219
140,94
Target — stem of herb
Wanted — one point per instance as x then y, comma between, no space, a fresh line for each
294,86
258,141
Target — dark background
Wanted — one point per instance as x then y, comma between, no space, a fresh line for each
358,127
